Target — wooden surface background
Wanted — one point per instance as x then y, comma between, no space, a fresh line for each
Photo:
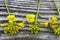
20,8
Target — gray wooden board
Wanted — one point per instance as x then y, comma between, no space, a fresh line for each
22,7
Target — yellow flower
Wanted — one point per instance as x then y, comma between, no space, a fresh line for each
21,24
11,17
53,27
12,21
30,18
53,20
5,24
57,31
34,29
6,29
44,23
11,29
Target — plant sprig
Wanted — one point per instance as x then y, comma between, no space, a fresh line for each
38,11
6,7
58,9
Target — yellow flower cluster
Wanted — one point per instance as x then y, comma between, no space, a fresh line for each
12,26
30,18
57,31
11,18
44,24
54,26
11,29
53,20
34,29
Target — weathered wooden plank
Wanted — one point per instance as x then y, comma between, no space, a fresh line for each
29,3
44,36
25,10
22,7
24,13
4,14
31,0
30,8
24,19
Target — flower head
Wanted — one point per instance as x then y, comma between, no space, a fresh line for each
53,20
11,18
53,27
30,18
21,24
4,25
44,23
12,21
11,29
6,29
57,31
34,29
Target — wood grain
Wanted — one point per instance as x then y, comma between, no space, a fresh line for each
22,7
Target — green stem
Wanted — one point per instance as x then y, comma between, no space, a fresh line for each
58,10
38,11
6,7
